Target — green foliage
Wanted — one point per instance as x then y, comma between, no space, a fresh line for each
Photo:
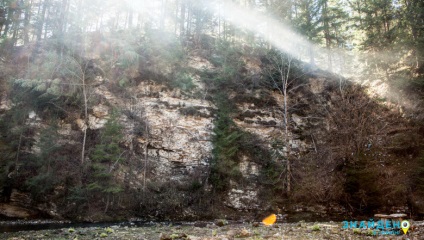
7,138
316,228
164,60
128,57
195,186
105,158
52,81
58,72
108,150
46,163
229,63
378,13
272,173
41,184
183,81
370,233
226,143
44,96
103,235
307,20
123,82
15,137
163,51
78,194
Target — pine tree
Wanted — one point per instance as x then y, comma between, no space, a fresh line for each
104,159
413,16
226,142
46,163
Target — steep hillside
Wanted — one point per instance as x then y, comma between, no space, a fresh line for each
150,127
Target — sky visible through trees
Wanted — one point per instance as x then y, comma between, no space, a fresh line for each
322,32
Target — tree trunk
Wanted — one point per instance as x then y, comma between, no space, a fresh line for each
62,18
146,158
130,18
286,133
42,19
107,202
17,153
198,29
8,22
2,18
327,34
27,18
188,28
84,92
182,19
83,145
285,82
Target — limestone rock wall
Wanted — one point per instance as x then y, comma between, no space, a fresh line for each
168,133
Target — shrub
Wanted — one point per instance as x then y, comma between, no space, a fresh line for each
183,81
316,228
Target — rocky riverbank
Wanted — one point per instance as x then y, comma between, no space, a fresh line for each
212,231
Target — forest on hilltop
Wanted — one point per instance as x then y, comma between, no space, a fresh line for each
263,63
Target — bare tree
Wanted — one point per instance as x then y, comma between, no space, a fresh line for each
280,75
78,70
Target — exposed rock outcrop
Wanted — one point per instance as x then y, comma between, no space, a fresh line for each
19,206
168,133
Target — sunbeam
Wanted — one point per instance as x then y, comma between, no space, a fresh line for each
276,33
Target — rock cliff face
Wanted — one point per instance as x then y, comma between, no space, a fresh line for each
168,139
174,143
169,133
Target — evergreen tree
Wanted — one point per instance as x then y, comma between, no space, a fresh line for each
332,18
226,142
104,159
413,17
46,163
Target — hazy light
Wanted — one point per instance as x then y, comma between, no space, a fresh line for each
347,63
279,35
276,32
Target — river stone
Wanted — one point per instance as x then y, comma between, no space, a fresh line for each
221,222
164,236
200,224
243,233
